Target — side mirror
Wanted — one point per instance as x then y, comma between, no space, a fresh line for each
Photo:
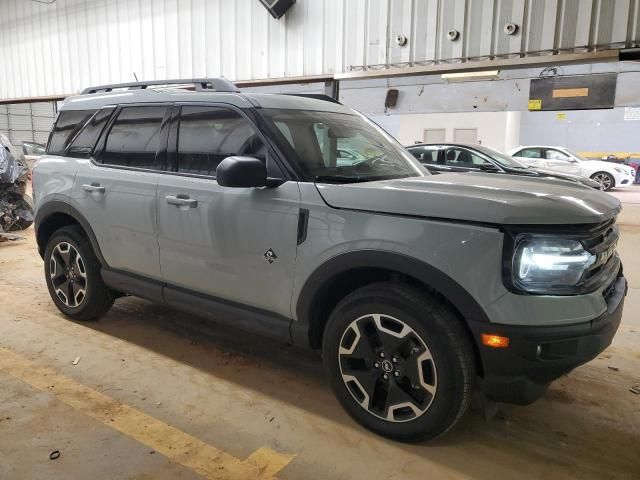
241,172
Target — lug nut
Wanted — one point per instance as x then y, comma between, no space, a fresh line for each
385,376
395,359
396,373
381,354
376,364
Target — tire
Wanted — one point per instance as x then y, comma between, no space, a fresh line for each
90,297
435,362
605,179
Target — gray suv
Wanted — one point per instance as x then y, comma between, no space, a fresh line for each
418,289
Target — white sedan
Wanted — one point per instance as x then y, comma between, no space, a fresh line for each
559,159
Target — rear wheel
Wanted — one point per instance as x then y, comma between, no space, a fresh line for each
399,361
72,272
606,180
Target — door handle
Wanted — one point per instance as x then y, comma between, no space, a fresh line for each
94,187
181,201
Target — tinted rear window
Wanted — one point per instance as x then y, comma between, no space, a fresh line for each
69,122
85,141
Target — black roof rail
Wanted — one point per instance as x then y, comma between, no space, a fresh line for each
199,84
317,96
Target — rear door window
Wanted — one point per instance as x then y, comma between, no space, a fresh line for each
529,153
134,138
208,135
461,157
69,122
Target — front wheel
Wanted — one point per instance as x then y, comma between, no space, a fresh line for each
606,180
399,361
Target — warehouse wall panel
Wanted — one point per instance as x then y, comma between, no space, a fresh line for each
60,48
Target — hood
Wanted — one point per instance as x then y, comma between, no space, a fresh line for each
477,197
606,165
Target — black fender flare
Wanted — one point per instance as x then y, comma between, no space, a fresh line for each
439,281
52,207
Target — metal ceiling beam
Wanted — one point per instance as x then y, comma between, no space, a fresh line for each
476,65
470,66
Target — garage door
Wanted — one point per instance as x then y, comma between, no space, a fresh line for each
27,122
435,135
465,135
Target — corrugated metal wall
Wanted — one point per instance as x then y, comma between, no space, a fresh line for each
27,122
61,48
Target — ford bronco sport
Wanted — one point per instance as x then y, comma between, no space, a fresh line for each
418,289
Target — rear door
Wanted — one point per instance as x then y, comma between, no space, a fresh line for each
116,189
559,161
236,244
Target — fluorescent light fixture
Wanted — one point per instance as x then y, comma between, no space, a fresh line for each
463,76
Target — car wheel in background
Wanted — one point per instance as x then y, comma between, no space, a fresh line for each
605,179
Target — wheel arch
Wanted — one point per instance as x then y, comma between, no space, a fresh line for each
344,273
56,214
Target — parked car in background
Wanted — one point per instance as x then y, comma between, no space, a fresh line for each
31,152
634,163
461,157
563,160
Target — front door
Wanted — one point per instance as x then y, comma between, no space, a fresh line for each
235,244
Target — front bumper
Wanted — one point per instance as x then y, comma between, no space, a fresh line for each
536,356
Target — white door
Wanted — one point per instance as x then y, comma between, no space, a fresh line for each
435,135
561,162
465,135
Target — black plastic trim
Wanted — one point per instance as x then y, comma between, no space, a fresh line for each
55,206
429,275
303,224
236,315
132,284
537,355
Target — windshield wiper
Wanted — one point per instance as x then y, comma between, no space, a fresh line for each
357,178
339,178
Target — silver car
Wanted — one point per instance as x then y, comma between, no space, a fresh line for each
417,288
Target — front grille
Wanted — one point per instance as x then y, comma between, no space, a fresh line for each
601,241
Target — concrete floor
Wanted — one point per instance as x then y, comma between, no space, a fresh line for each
158,394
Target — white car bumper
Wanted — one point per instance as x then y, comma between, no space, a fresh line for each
624,179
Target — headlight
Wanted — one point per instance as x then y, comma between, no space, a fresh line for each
549,265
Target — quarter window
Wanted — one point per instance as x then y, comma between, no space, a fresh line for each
208,135
69,122
83,144
133,139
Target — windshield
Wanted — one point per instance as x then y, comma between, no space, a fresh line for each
339,147
502,158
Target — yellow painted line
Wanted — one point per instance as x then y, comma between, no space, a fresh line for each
178,446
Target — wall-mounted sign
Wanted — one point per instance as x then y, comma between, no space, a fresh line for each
535,104
631,114
576,92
